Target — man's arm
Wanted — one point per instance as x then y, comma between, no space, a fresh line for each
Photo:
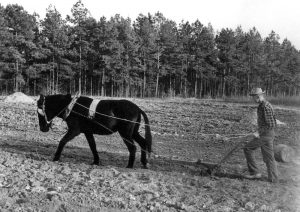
269,116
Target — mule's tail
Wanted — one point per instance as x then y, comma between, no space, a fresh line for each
148,135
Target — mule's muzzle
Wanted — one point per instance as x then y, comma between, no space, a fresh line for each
45,127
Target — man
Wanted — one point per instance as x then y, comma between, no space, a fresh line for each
266,122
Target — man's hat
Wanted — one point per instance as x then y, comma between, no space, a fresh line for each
256,91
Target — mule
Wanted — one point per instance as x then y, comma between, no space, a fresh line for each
110,116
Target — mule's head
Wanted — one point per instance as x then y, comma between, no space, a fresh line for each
49,107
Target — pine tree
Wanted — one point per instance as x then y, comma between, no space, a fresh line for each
79,16
144,29
21,33
55,40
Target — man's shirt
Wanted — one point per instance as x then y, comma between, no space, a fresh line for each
265,116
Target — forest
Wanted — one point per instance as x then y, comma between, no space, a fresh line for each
151,56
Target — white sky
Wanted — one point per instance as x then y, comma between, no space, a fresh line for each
281,16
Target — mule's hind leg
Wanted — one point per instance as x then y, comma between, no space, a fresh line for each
132,150
143,144
67,137
91,140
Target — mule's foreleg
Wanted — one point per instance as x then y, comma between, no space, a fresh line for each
67,137
91,140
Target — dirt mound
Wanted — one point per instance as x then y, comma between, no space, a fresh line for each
19,97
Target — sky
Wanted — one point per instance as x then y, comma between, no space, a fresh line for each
281,16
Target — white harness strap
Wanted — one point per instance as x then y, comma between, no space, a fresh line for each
92,109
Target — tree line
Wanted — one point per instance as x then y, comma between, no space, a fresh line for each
151,56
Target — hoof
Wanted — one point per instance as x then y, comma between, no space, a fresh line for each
96,163
145,166
55,159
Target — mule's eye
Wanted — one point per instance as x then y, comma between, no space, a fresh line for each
40,111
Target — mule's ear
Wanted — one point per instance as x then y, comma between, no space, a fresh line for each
41,96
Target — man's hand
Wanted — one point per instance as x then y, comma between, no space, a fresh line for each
251,136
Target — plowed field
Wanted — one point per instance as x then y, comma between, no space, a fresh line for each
183,131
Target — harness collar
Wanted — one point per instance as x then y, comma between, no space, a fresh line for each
70,106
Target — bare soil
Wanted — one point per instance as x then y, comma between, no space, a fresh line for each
183,131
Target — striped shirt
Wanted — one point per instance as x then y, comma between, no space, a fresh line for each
265,116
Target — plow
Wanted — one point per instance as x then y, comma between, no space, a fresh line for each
211,168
